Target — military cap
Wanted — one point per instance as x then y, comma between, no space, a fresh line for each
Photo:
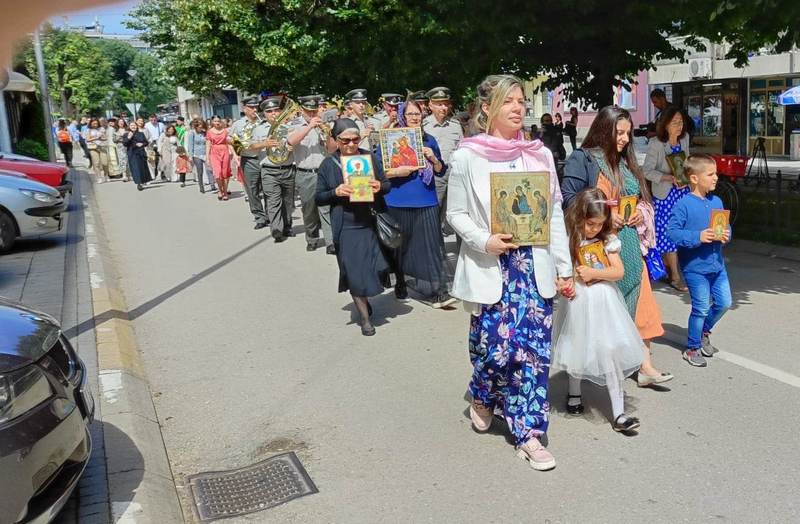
419,96
273,102
310,101
393,99
251,102
439,93
356,95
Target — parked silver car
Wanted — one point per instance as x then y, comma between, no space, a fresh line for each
45,412
27,208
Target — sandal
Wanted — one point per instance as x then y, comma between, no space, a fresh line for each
677,285
576,409
225,197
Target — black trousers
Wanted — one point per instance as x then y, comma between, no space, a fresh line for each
66,150
253,188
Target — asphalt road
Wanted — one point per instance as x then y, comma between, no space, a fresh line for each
251,351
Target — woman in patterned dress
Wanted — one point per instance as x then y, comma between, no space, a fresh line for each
508,289
671,138
605,161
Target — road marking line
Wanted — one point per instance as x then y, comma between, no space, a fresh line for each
767,371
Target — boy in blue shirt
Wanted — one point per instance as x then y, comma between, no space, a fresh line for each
700,256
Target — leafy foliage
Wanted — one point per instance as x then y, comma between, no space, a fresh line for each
82,72
385,45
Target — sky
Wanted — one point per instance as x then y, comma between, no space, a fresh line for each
111,16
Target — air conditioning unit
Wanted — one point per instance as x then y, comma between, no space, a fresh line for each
700,68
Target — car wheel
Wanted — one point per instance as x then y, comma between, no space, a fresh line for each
8,232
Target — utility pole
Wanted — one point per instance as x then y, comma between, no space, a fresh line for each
48,117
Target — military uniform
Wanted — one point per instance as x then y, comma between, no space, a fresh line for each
308,155
277,182
422,98
246,130
381,118
448,135
359,95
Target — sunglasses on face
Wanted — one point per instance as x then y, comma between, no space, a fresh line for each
345,141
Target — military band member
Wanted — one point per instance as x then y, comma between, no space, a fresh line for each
311,145
388,116
250,158
448,133
276,181
356,104
423,99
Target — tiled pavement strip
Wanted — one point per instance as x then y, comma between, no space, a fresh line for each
51,274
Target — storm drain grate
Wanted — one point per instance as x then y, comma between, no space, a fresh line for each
266,484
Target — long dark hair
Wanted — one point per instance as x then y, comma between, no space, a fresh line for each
603,135
588,203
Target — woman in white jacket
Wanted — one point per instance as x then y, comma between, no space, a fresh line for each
508,289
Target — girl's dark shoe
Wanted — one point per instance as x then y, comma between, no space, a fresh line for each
139,187
367,329
574,409
623,423
400,291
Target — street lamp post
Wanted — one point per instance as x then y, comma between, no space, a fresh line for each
132,73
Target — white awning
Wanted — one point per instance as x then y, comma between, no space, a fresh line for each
19,82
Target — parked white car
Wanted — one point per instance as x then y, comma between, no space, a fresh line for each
28,209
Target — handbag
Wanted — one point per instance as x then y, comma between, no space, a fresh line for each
655,265
388,230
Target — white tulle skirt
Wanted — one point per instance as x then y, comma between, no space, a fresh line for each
594,337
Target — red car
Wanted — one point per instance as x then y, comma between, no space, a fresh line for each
48,173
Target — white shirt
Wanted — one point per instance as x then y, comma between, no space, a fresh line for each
154,131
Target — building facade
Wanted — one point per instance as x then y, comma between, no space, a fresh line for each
731,107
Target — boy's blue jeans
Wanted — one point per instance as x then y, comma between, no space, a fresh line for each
711,297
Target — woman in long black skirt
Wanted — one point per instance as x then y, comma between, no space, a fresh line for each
135,142
415,206
363,269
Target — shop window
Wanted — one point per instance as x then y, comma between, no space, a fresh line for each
712,115
758,84
758,107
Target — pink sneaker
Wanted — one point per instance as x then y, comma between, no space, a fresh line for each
481,416
538,456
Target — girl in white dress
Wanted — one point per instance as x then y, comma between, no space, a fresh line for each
594,336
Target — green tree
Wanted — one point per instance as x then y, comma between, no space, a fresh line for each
334,45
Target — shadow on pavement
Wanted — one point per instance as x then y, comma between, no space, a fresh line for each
384,308
153,302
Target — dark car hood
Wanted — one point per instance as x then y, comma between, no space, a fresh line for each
25,335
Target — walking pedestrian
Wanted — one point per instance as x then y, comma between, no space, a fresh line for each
507,289
246,131
196,148
671,138
441,125
594,337
310,146
96,143
571,127
183,164
122,152
64,140
276,182
136,142
218,153
700,256
111,148
413,203
82,127
607,161
167,146
363,269
154,129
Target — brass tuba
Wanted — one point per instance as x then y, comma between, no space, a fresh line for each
278,130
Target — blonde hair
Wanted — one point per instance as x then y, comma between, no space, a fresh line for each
492,91
697,163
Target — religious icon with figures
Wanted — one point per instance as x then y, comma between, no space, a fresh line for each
402,147
358,171
676,161
520,206
627,207
720,220
593,255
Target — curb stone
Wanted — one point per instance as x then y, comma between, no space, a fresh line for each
141,485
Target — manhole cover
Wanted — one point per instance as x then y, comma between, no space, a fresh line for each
266,484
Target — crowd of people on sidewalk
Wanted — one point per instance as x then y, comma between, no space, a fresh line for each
533,306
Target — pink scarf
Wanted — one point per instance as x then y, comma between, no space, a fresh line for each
534,155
